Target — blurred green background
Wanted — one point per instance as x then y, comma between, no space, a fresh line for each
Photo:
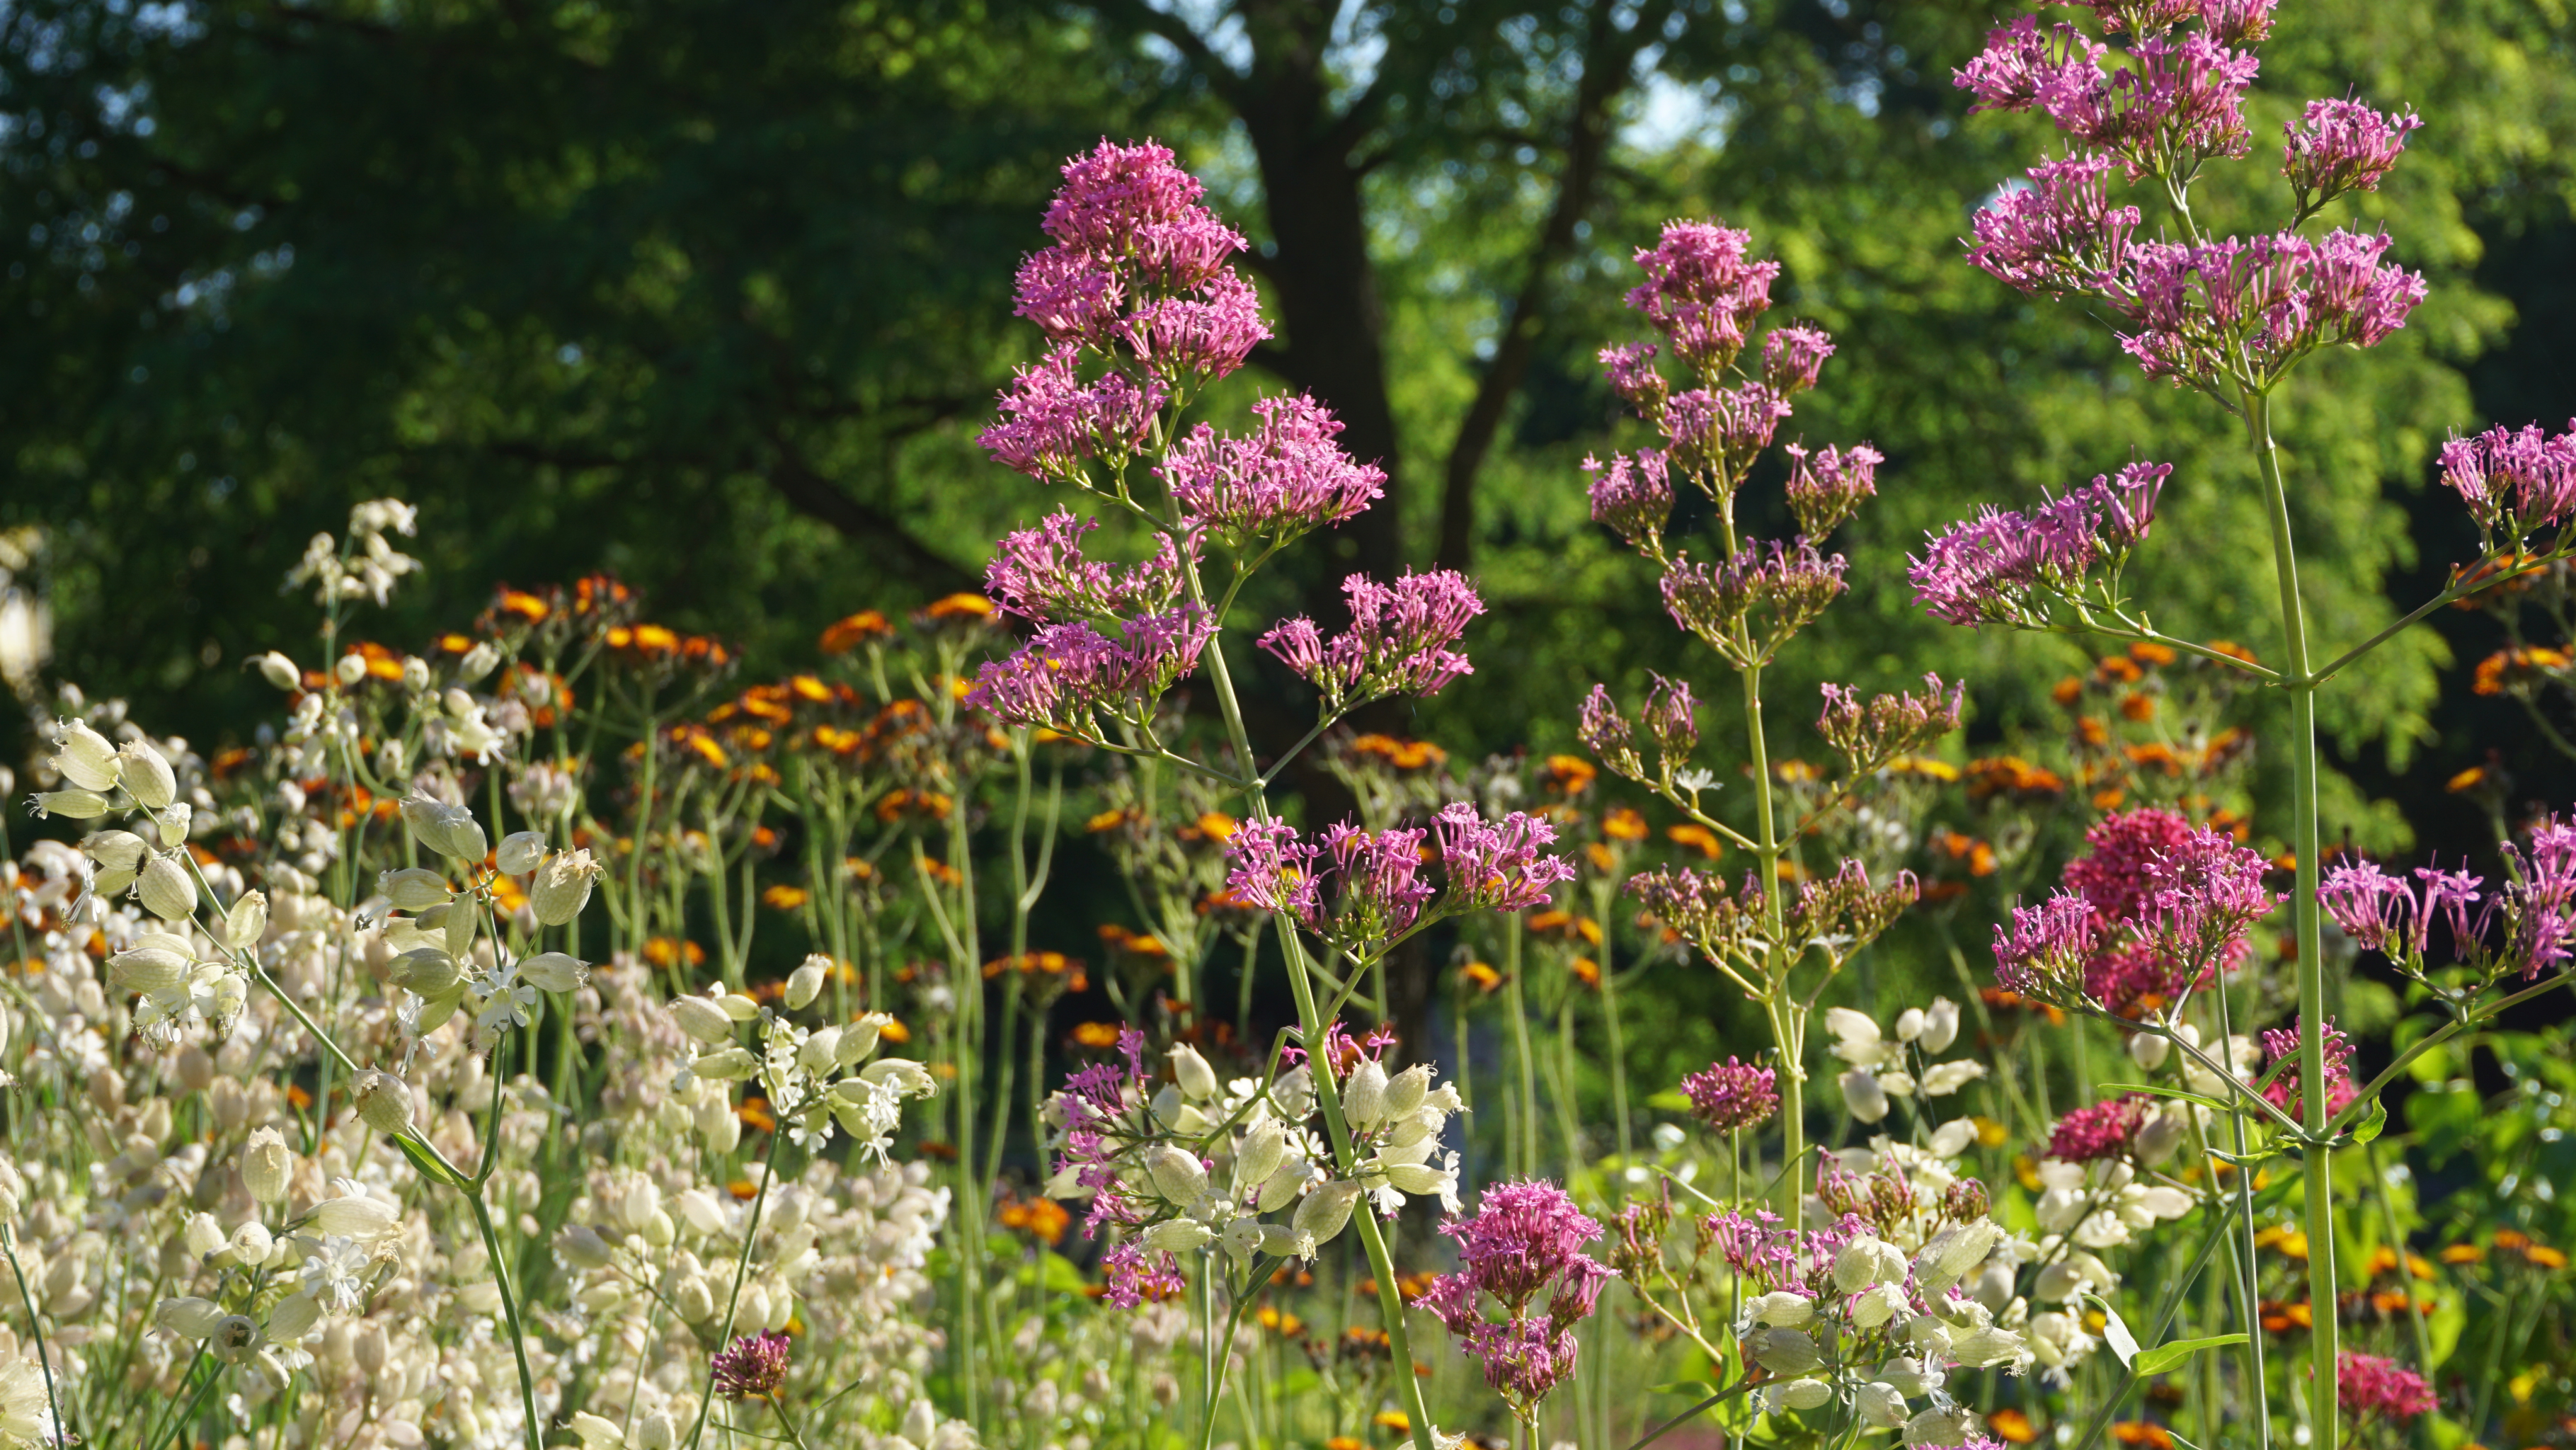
716,296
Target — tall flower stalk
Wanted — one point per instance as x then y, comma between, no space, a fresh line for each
1138,296
2227,317
1704,294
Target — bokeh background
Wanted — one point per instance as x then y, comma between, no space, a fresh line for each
716,296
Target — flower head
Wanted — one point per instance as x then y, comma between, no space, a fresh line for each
1730,1095
2369,1387
1287,478
753,1368
2341,146
1399,641
2516,481
2103,1130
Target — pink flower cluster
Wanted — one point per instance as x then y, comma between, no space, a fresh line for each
1870,735
2340,146
2231,310
1378,888
1103,1123
1131,1276
1634,496
1768,591
2369,1387
1826,487
2516,481
2281,1046
1999,567
2526,925
1525,1242
1701,293
1069,676
2269,301
1398,643
752,1368
1138,276
2154,907
2103,1130
1289,477
1731,1095
1040,574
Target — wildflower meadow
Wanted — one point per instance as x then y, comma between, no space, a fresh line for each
1082,1013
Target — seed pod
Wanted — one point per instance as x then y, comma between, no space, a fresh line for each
1802,1394
704,1021
427,971
819,1052
115,850
1406,1091
414,888
554,972
247,922
166,891
1178,1173
351,668
731,1064
1177,1236
1197,1080
1785,1351
147,776
1325,1211
355,1217
1940,1025
1282,1184
267,1165
1866,1261
71,805
172,822
860,1037
519,852
806,982
279,671
1259,1155
147,969
562,887
1364,1096
189,1318
478,662
384,1101
447,830
582,1247
85,757
2148,1050
1781,1309
294,1317
1879,1405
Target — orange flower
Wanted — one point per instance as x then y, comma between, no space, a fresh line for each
1480,976
2141,1432
2148,652
1095,1034
2517,669
2137,707
958,606
2232,650
1623,824
844,635
1216,826
1587,971
2120,668
2541,1256
1343,1442
2012,1426
1698,837
522,605
894,1032
1569,774
755,1115
2066,692
1042,1219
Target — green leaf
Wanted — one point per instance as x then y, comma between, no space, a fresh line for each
2165,1092
2371,1122
2170,1356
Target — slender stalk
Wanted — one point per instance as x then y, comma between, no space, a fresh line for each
1525,1147
2318,1162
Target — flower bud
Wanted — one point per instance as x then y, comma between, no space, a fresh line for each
1781,1309
115,850
2148,1050
294,1317
1177,1236
247,922
149,968
1259,1154
350,669
1864,1095
562,887
478,662
147,777
1879,1405
202,1235
356,1217
1197,1079
85,757
426,971
1801,1394
1325,1211
582,1247
1876,1305
695,1302
251,1244
414,888
519,852
706,1023
1866,1261
1364,1095
1909,1024
384,1101
1953,1252
267,1165
446,830
2161,1133
553,972
1178,1173
1293,1094
860,1037
1785,1351
171,821
279,671
806,982
730,1064
166,891
71,805
920,1421
1940,1025
1282,1184
189,1318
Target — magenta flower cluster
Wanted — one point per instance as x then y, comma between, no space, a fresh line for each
1068,677
2200,311
2103,1130
2369,1387
2281,1051
2153,908
1041,575
752,1368
1399,641
2526,925
1524,1248
2007,567
2516,481
1378,891
1289,477
1103,1123
1730,1096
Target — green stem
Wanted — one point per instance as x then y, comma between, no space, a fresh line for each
1525,1149
510,1314
2318,1190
